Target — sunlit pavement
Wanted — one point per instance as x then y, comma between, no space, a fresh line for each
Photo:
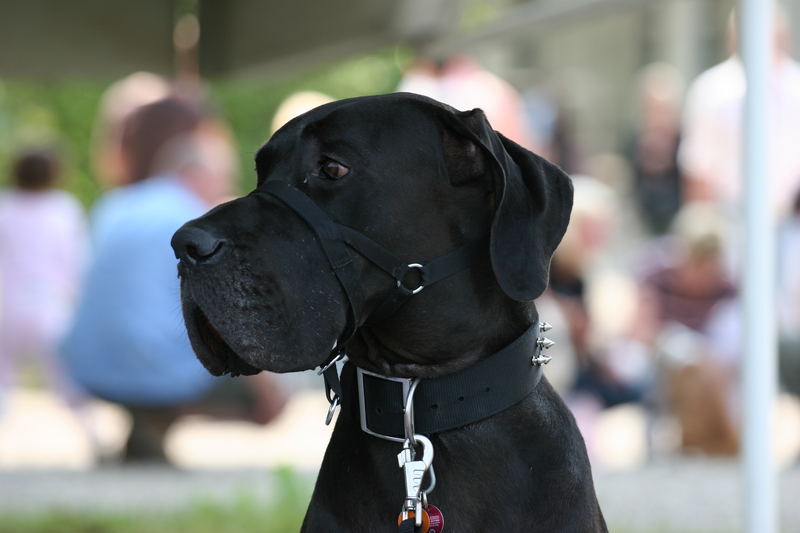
38,432
46,462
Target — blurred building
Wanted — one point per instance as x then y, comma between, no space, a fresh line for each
583,53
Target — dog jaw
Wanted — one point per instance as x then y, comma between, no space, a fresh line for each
210,347
243,323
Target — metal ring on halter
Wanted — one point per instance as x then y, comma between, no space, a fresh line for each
421,283
408,412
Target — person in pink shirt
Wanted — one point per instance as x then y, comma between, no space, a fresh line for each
42,248
711,143
462,83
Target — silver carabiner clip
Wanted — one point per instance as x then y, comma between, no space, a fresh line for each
414,471
335,401
408,412
331,410
341,356
431,484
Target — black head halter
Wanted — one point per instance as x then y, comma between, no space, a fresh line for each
501,380
335,239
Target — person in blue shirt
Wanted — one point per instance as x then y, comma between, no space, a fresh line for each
127,343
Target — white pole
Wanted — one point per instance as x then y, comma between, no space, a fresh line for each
759,375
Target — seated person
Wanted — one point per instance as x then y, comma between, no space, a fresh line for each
128,343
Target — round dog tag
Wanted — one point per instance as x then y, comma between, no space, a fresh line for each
426,520
435,520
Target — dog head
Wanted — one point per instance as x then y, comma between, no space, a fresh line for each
414,175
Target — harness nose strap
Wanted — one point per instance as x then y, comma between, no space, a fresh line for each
333,244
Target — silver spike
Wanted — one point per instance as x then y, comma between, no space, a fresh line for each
545,326
544,343
541,360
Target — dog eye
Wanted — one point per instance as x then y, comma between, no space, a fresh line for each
333,169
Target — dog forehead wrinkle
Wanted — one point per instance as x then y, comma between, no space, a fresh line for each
283,151
371,118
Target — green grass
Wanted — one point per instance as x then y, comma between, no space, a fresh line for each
245,513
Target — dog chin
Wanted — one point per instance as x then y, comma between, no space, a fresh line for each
220,356
211,348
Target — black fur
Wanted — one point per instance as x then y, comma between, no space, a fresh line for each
424,180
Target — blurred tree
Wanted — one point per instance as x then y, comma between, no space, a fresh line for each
63,113
57,114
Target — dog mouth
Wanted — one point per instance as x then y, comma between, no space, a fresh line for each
211,348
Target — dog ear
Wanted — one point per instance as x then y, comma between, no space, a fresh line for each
533,199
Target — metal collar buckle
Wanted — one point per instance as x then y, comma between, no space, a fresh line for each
362,405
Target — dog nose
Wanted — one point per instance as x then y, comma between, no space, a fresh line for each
194,245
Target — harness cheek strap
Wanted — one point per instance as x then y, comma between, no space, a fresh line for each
332,242
335,239
431,272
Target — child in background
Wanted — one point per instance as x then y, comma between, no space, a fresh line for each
42,248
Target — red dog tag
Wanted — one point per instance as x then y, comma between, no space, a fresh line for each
435,520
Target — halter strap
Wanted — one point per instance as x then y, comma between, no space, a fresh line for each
330,238
335,239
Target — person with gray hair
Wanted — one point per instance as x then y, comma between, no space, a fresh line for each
128,344
686,293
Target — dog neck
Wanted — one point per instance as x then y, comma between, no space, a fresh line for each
427,339
388,407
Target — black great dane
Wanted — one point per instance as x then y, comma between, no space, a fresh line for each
413,239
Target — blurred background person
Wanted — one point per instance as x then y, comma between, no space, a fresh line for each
684,318
128,344
461,82
576,271
789,301
42,251
295,105
653,152
550,118
118,101
713,126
